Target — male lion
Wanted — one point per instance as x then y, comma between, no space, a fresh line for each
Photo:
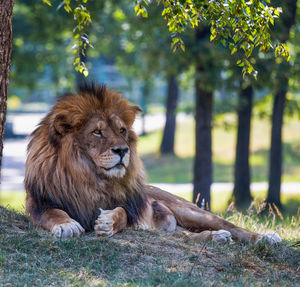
83,173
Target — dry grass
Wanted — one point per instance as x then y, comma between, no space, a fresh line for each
145,258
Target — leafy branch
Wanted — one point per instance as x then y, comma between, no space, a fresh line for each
243,25
82,19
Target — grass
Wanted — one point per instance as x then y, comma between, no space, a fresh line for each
32,257
13,200
179,168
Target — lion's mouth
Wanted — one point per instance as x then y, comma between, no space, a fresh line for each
119,165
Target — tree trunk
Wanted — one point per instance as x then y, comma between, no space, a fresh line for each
241,190
203,169
145,92
275,171
287,19
6,14
167,145
203,157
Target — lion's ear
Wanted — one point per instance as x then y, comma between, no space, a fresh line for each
130,114
137,109
61,125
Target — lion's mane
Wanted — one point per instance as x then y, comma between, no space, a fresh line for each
58,173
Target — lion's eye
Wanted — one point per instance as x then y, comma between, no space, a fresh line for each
97,133
123,131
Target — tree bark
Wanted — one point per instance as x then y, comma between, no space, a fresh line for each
241,190
167,145
275,170
6,14
145,92
203,168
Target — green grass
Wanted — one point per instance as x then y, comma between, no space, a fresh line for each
30,257
13,200
180,168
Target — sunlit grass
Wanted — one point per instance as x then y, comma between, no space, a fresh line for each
13,200
179,168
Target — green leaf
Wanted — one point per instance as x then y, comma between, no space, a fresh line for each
240,63
233,50
85,72
47,2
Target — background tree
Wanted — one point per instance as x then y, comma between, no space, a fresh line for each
6,14
168,140
39,49
281,86
242,90
208,63
241,190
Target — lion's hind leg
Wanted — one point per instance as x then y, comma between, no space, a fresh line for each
156,215
192,218
163,217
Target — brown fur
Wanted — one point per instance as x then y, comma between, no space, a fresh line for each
83,157
60,174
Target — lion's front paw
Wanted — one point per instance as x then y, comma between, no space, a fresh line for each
222,236
67,230
104,225
269,238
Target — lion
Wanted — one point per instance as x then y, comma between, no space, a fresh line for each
83,174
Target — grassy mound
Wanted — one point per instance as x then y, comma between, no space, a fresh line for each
145,258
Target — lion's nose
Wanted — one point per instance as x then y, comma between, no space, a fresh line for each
121,151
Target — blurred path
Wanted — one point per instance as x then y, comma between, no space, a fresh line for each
13,165
286,187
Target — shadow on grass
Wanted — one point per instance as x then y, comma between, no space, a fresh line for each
291,205
134,258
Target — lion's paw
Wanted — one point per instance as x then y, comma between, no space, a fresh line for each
104,225
222,236
67,230
269,238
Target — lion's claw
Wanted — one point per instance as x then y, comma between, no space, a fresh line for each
222,236
269,238
104,225
67,230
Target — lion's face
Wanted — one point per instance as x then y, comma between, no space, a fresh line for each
105,141
92,133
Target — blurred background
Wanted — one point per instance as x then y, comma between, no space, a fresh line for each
195,102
